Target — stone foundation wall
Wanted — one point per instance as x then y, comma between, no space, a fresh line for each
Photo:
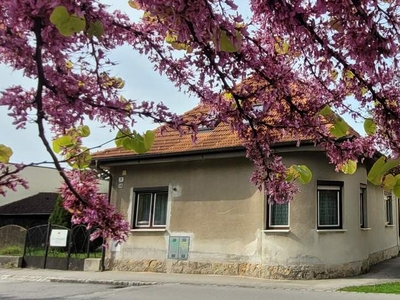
10,261
386,254
319,271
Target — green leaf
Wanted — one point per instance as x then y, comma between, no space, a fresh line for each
380,168
389,182
84,131
62,142
370,126
339,128
135,141
390,164
83,160
364,90
96,29
65,23
5,153
349,74
375,174
59,15
300,172
291,174
349,167
281,48
396,189
77,24
148,137
225,44
121,136
326,111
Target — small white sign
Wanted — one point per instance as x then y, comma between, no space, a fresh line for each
58,237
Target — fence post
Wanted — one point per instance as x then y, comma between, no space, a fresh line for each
69,239
26,242
46,251
88,234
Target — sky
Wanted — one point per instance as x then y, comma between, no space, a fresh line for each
141,83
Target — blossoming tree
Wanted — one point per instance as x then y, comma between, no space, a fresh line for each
294,68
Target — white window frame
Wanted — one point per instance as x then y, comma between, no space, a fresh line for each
389,220
338,189
269,225
153,194
154,210
137,209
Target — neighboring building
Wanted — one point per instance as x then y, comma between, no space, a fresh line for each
193,210
28,212
40,180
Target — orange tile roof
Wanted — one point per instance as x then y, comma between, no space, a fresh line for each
171,142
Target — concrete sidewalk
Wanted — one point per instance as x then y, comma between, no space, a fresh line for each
383,272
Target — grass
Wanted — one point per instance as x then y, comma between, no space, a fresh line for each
60,253
384,288
12,250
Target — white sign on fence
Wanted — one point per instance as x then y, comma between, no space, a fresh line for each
58,237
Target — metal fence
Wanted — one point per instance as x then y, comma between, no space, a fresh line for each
41,246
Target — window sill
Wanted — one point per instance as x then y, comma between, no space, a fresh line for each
365,228
277,231
389,225
331,230
148,230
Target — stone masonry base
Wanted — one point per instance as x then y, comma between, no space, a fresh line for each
253,270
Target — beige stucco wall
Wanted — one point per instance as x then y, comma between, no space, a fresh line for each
304,244
213,202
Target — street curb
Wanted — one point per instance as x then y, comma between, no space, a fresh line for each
124,283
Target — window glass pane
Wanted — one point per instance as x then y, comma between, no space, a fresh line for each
279,214
389,210
328,207
363,208
160,209
143,210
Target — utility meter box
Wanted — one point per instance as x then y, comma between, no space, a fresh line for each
178,247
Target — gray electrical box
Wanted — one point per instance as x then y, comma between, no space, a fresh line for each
178,247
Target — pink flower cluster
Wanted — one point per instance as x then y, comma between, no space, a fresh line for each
10,179
267,79
93,208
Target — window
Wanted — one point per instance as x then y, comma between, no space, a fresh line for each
389,209
329,196
278,216
363,206
151,208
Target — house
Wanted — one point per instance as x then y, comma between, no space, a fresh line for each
30,211
193,210
40,180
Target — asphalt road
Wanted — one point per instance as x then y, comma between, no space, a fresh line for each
13,290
